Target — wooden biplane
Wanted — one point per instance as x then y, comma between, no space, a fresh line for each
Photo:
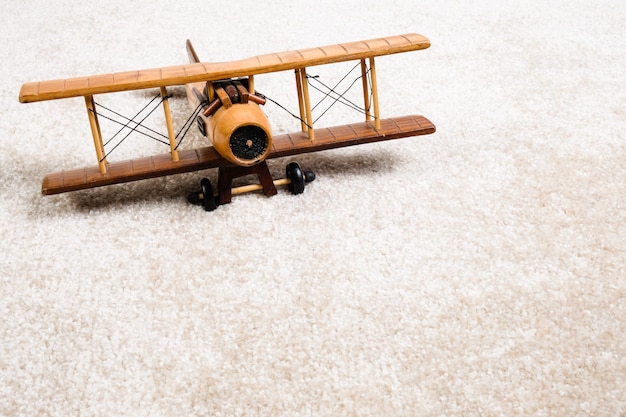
228,113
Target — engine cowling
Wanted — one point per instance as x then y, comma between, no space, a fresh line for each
241,133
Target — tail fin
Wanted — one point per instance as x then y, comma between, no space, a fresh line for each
193,56
194,95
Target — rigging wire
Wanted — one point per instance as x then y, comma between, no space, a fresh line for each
327,91
134,125
284,108
338,97
128,121
134,128
316,78
330,92
188,123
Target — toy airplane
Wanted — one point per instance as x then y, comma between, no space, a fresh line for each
228,113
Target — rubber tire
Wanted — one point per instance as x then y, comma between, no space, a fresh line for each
208,202
296,175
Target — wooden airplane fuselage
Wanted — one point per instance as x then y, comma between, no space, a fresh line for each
230,114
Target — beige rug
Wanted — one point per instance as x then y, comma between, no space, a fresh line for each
478,271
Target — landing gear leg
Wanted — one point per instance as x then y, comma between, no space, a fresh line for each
227,175
295,181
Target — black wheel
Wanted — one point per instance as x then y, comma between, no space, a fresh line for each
296,175
208,202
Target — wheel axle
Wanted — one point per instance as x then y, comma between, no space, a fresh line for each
295,181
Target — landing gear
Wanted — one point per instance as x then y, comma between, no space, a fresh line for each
295,181
208,202
296,177
205,197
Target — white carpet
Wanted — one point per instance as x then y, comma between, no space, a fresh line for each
477,271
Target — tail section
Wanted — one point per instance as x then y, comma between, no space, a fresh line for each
191,52
195,93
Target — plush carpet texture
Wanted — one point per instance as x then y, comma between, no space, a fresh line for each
478,271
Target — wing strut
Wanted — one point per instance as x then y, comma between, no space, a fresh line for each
251,84
366,96
304,101
375,94
300,99
170,126
95,132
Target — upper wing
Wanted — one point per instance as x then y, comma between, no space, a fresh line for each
198,72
